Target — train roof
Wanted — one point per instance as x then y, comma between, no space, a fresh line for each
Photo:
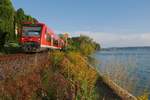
27,23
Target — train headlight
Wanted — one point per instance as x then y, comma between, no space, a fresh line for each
22,39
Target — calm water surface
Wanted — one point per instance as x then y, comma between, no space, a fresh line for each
132,63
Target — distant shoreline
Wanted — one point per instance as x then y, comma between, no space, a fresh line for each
116,48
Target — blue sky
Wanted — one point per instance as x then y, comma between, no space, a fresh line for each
109,22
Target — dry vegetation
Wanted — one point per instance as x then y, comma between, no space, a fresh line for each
81,77
65,78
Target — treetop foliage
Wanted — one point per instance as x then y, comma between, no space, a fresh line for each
6,21
9,20
84,44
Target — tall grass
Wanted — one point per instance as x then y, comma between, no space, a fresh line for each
77,72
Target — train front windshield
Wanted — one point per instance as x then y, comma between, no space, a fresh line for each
31,31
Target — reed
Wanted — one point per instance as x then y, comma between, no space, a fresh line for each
123,73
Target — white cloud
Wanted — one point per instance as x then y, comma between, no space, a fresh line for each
118,40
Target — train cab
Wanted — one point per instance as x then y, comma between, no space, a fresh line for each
37,37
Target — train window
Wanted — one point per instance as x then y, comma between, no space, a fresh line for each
56,42
60,43
48,37
31,31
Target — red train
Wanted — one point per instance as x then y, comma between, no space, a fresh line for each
37,37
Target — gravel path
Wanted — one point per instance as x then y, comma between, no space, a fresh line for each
13,64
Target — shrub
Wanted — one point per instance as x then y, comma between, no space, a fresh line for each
75,69
60,88
83,44
55,58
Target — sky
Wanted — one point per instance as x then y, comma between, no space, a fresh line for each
112,23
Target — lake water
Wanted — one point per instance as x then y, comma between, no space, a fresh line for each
128,67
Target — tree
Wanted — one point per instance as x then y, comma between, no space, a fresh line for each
87,48
87,45
6,21
20,18
10,20
35,20
84,44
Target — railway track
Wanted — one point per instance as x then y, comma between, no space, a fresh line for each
10,57
14,64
